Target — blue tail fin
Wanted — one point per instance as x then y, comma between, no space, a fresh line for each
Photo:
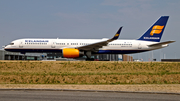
155,32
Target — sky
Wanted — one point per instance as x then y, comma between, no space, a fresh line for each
90,19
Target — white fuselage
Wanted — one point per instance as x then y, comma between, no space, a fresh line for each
56,45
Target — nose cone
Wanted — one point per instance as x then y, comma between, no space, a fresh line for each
6,47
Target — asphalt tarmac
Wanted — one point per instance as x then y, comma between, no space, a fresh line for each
15,95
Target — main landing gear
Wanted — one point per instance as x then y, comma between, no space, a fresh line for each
88,55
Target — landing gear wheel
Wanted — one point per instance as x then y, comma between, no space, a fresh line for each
90,59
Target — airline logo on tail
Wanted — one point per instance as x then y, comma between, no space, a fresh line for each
156,30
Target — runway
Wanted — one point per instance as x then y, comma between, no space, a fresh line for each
82,96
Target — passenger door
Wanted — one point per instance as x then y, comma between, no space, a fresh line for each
21,44
53,45
139,46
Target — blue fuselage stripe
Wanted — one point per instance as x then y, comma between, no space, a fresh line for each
59,50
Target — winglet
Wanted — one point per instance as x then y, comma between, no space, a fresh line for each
117,34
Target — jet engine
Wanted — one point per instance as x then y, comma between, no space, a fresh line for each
72,53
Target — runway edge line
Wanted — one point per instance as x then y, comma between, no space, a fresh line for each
76,90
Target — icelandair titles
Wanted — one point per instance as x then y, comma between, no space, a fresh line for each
151,38
36,40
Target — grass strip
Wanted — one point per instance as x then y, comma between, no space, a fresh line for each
76,74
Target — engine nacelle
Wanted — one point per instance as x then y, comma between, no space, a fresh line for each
71,53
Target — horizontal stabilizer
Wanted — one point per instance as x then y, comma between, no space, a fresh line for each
160,43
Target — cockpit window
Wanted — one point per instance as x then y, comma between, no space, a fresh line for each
11,43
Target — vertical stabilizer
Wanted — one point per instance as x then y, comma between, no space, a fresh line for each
155,32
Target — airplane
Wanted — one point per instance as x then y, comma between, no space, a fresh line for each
75,48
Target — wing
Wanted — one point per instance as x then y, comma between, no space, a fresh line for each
96,46
160,43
